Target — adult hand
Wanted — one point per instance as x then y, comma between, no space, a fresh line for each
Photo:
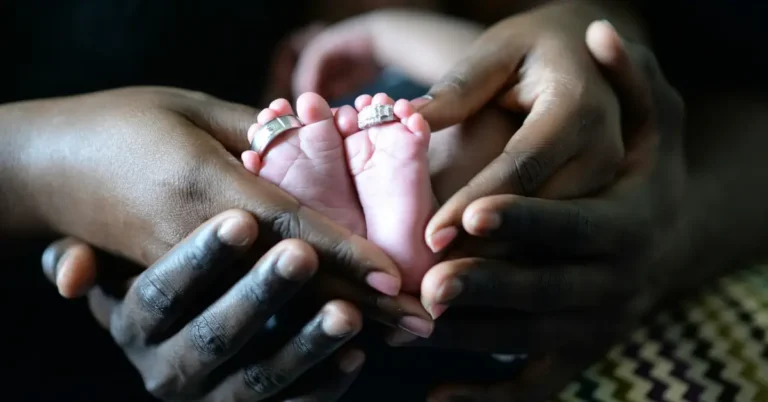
133,171
570,143
195,331
563,280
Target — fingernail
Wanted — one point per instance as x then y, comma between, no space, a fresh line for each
351,361
436,310
384,283
64,264
439,240
400,338
234,232
291,265
416,325
613,27
421,101
484,221
335,324
449,290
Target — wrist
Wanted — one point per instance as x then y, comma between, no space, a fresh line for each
18,215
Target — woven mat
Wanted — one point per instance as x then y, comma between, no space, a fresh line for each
712,348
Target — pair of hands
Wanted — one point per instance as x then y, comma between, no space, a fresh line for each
598,263
622,229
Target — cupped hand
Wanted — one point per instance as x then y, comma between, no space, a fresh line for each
196,331
535,63
133,171
562,281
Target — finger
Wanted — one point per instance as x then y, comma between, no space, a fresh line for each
331,380
227,122
541,379
281,216
548,138
102,306
490,66
601,164
401,311
71,265
477,282
336,323
555,228
227,325
611,53
161,293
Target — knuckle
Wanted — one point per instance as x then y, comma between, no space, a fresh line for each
156,293
529,170
189,194
304,348
209,336
257,290
124,334
287,224
265,380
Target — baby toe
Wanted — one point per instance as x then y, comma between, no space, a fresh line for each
404,109
281,106
382,99
312,108
265,116
363,101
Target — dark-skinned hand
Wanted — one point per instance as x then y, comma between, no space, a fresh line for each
563,281
133,171
195,324
535,63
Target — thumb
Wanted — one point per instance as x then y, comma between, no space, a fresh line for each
472,83
227,122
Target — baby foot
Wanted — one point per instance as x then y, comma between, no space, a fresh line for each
391,172
309,162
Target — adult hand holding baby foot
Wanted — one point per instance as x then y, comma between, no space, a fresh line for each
562,281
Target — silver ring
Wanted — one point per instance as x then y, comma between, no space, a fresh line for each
271,130
374,115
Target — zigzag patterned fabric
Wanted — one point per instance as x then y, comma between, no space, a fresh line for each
713,348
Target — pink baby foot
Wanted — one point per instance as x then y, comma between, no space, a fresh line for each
309,162
391,172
